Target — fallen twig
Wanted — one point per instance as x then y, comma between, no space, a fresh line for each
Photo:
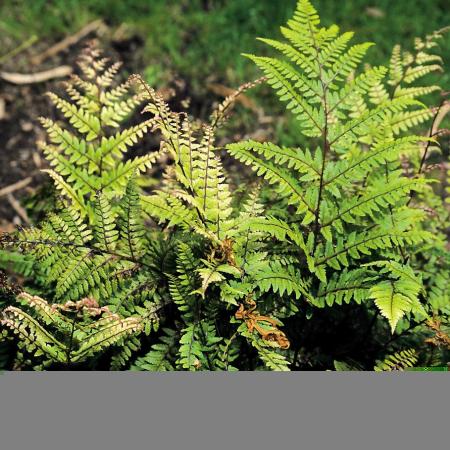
18,208
39,77
15,186
443,111
68,41
2,108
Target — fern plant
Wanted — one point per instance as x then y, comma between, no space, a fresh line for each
196,204
97,245
96,235
194,275
95,240
351,214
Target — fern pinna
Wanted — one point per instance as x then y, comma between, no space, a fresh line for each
210,279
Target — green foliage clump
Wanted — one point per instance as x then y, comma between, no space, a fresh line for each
100,245
193,275
356,228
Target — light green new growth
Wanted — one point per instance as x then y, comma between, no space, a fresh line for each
350,197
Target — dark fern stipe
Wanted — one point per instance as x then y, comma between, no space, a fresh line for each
336,257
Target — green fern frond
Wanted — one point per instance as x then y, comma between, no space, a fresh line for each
160,357
398,361
342,288
281,280
398,295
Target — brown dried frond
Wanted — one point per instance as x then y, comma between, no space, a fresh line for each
440,338
253,321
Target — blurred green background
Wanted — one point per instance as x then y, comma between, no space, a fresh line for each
200,41
201,37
